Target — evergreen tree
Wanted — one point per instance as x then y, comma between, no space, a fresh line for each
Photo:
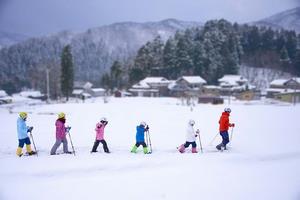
291,44
169,59
254,39
136,74
184,64
115,74
267,39
67,74
199,59
297,62
284,56
156,56
105,81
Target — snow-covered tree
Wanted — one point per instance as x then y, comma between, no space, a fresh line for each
67,72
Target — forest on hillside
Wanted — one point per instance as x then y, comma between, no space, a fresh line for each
218,48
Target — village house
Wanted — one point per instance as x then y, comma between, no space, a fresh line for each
187,86
238,86
151,87
33,94
4,98
85,90
287,90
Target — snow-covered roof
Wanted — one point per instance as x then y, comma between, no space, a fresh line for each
274,90
155,80
142,90
297,79
172,84
141,85
3,93
211,87
98,90
282,91
193,79
31,94
232,80
279,82
244,87
77,91
86,95
88,85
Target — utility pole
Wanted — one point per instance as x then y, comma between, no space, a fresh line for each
48,88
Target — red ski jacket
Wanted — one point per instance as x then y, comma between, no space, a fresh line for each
224,122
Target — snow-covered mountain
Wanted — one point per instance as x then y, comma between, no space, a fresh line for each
94,50
289,20
7,39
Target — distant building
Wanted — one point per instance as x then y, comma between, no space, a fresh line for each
151,87
284,89
229,80
33,94
237,85
121,93
4,98
291,96
187,86
84,90
211,90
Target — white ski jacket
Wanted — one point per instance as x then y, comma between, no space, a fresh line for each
190,134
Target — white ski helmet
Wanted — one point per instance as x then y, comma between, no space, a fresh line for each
191,122
143,124
103,119
227,110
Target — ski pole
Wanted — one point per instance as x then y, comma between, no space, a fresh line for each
149,141
200,141
71,142
31,136
231,134
213,139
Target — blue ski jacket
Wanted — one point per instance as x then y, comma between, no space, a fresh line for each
21,128
140,133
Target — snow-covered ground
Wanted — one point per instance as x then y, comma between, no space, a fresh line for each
263,161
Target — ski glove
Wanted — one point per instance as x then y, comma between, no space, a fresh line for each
68,128
232,125
147,128
29,128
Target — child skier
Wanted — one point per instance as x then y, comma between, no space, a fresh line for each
223,128
100,136
23,138
140,137
61,134
190,138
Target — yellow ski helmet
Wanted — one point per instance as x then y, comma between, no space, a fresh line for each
61,115
23,115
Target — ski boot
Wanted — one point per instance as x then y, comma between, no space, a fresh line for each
29,150
181,148
133,150
194,150
32,153
19,152
220,147
145,149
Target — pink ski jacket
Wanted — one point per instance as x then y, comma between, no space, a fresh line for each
100,131
60,129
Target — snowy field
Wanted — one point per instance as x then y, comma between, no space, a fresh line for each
262,163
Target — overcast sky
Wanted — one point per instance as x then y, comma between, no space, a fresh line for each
39,17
